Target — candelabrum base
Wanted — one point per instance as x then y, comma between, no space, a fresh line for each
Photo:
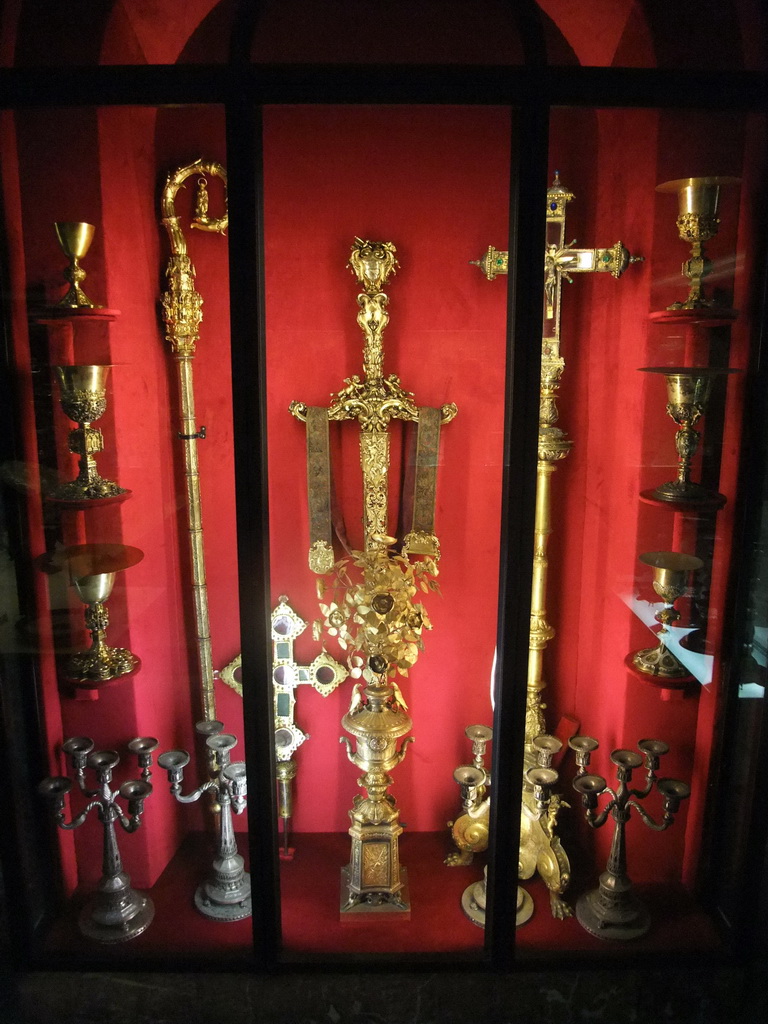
225,899
659,662
100,665
473,903
607,919
117,916
77,491
688,494
398,903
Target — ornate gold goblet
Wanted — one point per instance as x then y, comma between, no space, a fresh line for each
92,571
671,570
688,393
84,399
75,239
697,222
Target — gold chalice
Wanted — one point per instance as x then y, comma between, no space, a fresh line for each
688,393
697,222
92,571
75,239
83,396
671,570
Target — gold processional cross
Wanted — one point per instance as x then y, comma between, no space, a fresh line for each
540,847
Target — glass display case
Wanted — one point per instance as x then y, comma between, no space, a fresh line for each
316,475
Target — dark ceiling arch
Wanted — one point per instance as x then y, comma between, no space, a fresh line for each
686,34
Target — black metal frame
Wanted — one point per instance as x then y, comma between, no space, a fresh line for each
529,91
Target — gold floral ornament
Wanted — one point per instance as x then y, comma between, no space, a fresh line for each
379,615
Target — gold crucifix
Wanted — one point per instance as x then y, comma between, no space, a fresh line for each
540,847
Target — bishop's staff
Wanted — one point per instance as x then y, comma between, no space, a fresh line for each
182,314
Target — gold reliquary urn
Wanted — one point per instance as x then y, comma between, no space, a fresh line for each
697,222
92,571
83,397
75,239
374,878
688,394
671,573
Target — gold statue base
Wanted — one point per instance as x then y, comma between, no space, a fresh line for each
660,663
100,665
398,907
473,903
93,490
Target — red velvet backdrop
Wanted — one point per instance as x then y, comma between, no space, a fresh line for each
435,182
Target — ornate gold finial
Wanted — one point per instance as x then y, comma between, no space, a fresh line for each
372,263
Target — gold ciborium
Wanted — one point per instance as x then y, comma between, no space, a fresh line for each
688,393
92,571
75,239
83,396
697,222
671,570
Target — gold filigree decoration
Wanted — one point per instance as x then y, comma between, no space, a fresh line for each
321,557
379,614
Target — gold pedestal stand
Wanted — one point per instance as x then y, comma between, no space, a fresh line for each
374,878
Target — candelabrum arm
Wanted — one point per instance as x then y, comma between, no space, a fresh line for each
404,748
79,819
80,776
129,822
656,826
348,744
190,798
598,820
642,793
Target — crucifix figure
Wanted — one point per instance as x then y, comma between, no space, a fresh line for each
540,848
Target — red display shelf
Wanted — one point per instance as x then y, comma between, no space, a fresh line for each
310,911
60,314
713,504
714,317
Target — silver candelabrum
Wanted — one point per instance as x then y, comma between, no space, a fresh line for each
116,912
612,911
226,894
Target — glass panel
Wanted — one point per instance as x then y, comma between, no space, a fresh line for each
433,182
641,447
125,457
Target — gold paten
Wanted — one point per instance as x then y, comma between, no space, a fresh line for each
697,222
83,396
378,615
540,847
182,314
